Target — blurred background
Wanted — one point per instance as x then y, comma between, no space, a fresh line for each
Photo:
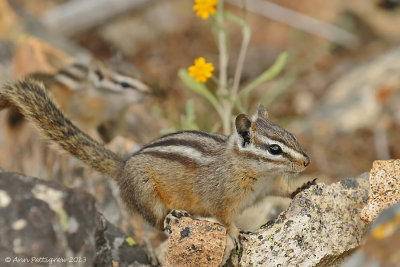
338,92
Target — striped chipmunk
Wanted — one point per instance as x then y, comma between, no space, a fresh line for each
188,173
94,96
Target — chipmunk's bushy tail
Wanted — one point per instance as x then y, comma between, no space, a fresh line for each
31,99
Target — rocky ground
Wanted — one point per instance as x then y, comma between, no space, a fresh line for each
324,225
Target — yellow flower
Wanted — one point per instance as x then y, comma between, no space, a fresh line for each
201,70
205,7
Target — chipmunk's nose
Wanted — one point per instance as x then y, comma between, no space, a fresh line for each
307,161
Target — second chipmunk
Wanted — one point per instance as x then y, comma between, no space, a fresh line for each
95,95
204,174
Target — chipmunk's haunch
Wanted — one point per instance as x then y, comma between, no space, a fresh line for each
204,174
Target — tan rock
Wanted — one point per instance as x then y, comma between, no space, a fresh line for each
384,188
195,243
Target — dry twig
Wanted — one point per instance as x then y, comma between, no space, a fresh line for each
301,21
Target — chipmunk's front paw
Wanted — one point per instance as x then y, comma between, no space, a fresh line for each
303,187
234,234
174,216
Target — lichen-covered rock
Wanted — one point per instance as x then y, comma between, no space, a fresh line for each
42,221
384,188
320,226
382,245
195,243
112,243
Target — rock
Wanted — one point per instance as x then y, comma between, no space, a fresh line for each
147,29
358,98
382,244
195,243
384,188
381,17
122,249
320,226
42,221
33,55
38,159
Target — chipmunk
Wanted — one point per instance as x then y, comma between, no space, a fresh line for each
93,96
203,174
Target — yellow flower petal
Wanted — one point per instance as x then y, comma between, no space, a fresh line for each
205,7
201,71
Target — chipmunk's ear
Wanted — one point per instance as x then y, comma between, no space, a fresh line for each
97,71
243,125
261,113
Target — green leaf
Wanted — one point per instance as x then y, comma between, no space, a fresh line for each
201,89
267,75
190,114
188,120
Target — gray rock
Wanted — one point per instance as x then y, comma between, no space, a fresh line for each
354,102
43,221
320,227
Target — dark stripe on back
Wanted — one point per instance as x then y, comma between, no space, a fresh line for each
179,142
187,162
219,139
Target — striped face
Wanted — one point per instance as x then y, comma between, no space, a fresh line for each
269,144
103,80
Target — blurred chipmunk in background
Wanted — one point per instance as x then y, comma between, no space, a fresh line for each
94,96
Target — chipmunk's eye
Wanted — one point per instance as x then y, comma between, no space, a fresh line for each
275,150
125,85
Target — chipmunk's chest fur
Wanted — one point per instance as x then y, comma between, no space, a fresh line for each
250,183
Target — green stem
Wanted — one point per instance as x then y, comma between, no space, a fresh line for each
223,68
267,75
246,33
